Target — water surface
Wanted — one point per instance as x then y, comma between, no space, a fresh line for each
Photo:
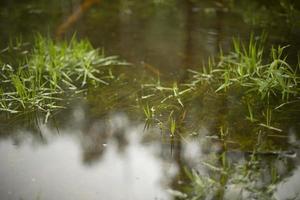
99,147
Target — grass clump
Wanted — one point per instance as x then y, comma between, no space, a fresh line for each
263,81
50,72
247,67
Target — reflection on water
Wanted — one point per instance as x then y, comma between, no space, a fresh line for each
107,161
115,158
289,188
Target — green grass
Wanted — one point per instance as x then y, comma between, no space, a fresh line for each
263,81
167,105
50,72
248,67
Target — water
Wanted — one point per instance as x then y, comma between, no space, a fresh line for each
168,36
99,148
113,157
85,164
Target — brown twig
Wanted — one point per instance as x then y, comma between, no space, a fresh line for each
74,17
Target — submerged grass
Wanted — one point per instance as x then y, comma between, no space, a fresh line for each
50,72
167,105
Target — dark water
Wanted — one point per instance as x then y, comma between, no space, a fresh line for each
168,35
99,149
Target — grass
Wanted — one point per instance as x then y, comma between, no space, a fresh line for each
50,72
53,71
247,67
262,81
167,104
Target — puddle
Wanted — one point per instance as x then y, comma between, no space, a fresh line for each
100,147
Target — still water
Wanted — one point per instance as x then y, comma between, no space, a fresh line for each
115,158
107,161
99,147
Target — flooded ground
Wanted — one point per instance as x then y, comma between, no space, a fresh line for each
100,147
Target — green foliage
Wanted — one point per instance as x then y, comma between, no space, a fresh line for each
51,71
262,81
246,67
168,105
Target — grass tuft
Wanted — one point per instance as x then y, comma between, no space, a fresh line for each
50,72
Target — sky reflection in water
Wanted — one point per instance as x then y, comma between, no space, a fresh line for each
112,158
62,169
